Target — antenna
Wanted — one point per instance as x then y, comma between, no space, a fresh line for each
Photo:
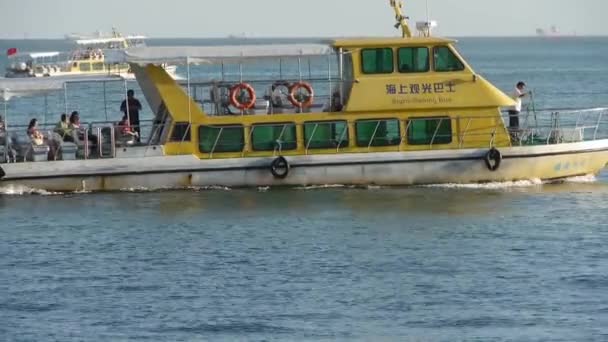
425,28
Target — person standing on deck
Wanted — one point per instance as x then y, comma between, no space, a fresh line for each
132,112
518,94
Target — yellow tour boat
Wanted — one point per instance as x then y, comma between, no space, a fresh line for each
363,111
87,58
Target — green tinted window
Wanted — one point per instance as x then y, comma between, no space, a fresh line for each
377,61
274,137
430,131
98,66
446,60
326,134
413,59
377,133
221,139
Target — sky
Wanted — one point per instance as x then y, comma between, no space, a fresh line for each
285,18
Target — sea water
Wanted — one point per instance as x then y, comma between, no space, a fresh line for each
517,261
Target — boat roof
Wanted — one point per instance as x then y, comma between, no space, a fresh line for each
28,86
97,41
214,54
36,55
391,41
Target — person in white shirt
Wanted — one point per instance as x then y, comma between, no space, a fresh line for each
518,95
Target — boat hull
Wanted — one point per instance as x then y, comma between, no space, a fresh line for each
387,169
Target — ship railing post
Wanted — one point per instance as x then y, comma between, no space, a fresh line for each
65,96
219,135
466,131
435,134
279,140
493,135
405,134
105,102
99,144
341,73
311,137
329,77
371,141
249,139
344,132
86,143
597,126
112,141
6,139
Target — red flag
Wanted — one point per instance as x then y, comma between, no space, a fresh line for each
11,51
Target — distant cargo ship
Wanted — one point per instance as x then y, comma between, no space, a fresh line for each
553,32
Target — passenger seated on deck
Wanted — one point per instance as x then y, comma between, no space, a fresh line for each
34,134
124,130
78,132
63,129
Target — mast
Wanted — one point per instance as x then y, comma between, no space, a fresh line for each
397,5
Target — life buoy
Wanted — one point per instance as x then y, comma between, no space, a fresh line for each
236,91
280,168
293,90
493,159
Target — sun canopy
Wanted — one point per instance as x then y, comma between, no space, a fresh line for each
213,54
30,86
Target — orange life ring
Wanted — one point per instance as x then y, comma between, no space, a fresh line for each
235,92
294,89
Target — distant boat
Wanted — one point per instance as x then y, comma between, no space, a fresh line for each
87,58
553,32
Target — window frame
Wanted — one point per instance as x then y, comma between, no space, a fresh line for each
87,69
362,60
453,54
370,142
428,59
181,127
243,141
340,144
295,130
433,138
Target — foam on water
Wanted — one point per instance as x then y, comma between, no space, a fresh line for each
581,179
19,190
491,185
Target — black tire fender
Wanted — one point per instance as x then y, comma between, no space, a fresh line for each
280,168
493,159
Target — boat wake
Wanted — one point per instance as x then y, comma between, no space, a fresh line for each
16,190
515,184
491,185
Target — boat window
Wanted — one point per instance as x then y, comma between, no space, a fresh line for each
378,133
274,137
326,134
413,59
377,61
181,132
98,66
446,60
84,66
221,139
430,131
